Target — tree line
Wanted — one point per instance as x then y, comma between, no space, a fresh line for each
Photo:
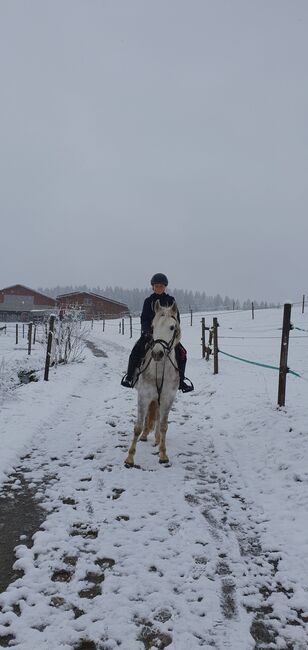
186,300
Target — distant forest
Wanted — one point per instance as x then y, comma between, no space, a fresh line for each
186,300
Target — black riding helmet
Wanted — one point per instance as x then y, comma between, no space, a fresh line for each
159,278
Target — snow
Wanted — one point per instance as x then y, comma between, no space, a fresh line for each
210,552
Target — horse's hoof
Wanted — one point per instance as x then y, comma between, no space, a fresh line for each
128,465
164,462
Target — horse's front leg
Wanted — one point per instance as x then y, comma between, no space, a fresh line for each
160,434
137,430
157,430
146,429
163,458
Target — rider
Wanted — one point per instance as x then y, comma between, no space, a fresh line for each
159,284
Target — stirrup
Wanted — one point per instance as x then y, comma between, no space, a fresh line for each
186,388
128,383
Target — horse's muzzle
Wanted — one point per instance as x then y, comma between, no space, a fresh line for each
157,354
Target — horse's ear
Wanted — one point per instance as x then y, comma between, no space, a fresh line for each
174,309
157,306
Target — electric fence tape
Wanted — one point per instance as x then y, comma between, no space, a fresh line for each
256,363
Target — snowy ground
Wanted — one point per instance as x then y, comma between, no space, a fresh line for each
210,552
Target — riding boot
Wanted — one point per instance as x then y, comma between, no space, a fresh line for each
183,386
128,379
134,362
181,358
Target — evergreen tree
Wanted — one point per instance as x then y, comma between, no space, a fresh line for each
134,298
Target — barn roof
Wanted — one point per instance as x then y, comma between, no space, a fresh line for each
22,286
90,293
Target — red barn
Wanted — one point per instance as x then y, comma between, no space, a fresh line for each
92,305
21,303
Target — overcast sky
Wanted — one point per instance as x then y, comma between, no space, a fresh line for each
142,136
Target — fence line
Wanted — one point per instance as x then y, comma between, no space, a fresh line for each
119,321
283,368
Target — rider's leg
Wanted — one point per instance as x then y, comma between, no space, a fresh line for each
181,357
134,361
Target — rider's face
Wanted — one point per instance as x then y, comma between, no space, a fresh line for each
159,288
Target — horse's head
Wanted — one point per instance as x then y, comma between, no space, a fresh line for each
166,330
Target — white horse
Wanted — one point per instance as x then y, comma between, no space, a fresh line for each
158,381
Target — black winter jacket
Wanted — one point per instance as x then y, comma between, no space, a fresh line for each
148,311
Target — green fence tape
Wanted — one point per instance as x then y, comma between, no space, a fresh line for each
257,363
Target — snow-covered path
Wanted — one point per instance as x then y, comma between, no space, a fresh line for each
154,556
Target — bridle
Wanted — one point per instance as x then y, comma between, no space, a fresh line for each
167,347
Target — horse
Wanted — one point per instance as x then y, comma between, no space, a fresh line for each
158,381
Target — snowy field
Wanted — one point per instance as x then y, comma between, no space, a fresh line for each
210,552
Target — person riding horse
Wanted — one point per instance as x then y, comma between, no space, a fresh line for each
159,283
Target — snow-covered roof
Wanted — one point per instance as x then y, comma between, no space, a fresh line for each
90,293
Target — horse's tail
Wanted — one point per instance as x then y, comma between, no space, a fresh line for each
152,415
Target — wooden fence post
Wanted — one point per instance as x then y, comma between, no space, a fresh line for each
67,344
122,325
103,324
208,350
23,330
303,304
191,317
283,368
34,334
252,311
215,338
203,337
16,333
49,344
30,325
130,327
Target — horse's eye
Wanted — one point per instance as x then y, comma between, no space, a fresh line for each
172,327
